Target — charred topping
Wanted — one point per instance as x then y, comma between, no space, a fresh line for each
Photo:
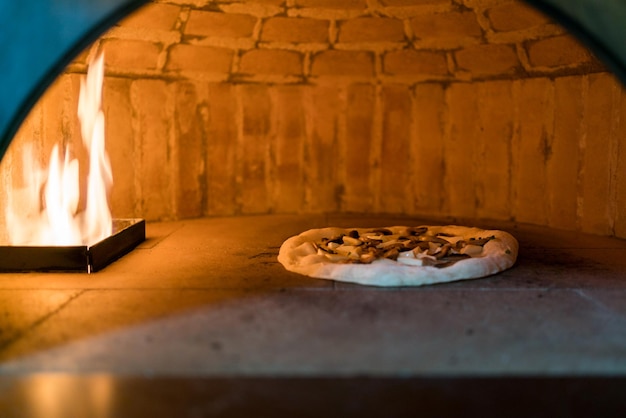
336,240
381,231
444,234
437,240
417,230
445,249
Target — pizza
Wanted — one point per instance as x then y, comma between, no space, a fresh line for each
399,255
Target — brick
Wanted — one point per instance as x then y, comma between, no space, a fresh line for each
156,16
150,99
12,169
324,109
562,166
446,25
184,57
475,4
296,30
61,126
191,143
289,148
515,16
332,4
57,125
252,157
459,146
222,132
227,25
359,139
496,115
427,148
410,61
131,54
60,121
371,29
29,134
120,146
535,102
395,160
343,63
402,3
271,61
597,155
557,51
266,2
620,173
485,60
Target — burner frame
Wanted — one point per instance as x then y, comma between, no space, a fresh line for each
127,234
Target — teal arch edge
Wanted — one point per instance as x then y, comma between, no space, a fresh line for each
39,39
599,24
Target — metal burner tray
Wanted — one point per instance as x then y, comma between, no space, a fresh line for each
127,234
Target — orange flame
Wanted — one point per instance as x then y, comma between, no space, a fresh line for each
46,211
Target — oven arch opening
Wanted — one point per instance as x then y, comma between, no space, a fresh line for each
381,105
39,52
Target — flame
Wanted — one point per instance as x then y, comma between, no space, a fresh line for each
46,212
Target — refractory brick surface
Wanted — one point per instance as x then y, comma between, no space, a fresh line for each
207,297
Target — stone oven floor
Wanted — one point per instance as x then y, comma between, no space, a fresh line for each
203,306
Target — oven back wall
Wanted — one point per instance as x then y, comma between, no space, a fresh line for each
480,109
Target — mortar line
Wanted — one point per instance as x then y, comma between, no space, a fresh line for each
596,303
40,321
158,239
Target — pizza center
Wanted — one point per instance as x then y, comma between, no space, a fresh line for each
414,246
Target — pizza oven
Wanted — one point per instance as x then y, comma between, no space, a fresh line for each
233,125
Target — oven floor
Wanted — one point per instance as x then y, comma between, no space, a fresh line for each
206,299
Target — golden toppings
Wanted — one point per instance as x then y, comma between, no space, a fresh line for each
413,246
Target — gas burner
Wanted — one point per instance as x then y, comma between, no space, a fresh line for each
127,234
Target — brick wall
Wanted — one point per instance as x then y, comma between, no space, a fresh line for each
469,108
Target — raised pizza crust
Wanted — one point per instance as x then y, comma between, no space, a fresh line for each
298,254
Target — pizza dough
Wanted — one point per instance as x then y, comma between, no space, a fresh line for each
307,254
